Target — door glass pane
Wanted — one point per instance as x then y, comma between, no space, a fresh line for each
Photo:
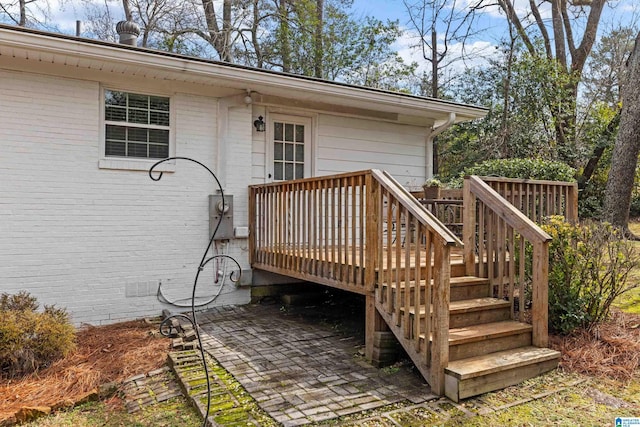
277,171
299,133
288,171
277,131
299,153
288,152
277,151
288,132
299,171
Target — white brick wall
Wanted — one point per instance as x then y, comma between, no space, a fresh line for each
89,239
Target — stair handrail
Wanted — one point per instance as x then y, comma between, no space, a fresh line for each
416,208
433,285
476,189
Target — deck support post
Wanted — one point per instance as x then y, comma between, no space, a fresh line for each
381,346
440,334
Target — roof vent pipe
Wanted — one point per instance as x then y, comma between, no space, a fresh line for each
128,32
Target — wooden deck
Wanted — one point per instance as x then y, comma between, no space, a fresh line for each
364,233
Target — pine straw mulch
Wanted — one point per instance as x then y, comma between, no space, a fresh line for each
610,350
104,354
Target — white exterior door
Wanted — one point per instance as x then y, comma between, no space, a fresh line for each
289,143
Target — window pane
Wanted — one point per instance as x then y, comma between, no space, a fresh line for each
159,136
112,97
116,132
288,171
299,153
138,101
138,134
277,171
138,116
137,150
277,151
140,140
277,131
158,118
158,151
299,133
288,152
116,114
299,171
288,132
159,103
115,149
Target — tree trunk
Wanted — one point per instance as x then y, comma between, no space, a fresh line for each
219,39
319,48
625,152
605,141
23,13
285,48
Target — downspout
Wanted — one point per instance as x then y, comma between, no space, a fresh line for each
435,131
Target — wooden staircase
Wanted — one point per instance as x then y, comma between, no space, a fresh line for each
487,350
450,302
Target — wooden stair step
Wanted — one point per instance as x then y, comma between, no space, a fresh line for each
496,362
470,305
454,281
485,331
481,374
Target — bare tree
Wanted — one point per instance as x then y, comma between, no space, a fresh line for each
439,24
562,43
627,147
24,12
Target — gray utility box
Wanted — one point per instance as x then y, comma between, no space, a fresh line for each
217,210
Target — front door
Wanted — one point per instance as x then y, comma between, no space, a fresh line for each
290,148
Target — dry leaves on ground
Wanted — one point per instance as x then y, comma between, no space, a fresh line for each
610,350
104,354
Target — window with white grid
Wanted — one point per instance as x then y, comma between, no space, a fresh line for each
136,125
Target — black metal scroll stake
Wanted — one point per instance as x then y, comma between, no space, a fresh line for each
164,328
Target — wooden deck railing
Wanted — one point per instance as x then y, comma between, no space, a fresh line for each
362,232
500,241
313,229
538,199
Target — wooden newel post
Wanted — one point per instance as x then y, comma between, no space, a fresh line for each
373,320
540,297
440,334
469,228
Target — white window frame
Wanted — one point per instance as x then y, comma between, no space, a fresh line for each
135,163
309,147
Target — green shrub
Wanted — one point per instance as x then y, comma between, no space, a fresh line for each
524,168
518,168
30,340
589,268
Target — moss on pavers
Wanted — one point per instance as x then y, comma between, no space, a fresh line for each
230,404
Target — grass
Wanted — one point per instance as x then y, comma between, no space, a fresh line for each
172,413
630,301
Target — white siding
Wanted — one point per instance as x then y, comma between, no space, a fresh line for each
348,144
98,241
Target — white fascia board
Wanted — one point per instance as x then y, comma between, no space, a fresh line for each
181,68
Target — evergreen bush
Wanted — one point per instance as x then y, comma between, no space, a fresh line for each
519,168
29,339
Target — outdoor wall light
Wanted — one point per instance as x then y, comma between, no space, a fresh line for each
259,124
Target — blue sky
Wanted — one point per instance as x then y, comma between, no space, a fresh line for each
615,13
